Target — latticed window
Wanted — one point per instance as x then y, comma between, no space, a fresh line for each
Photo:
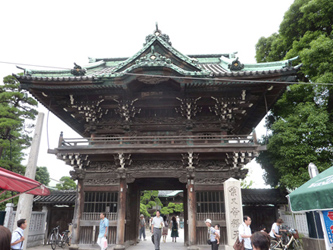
210,202
101,202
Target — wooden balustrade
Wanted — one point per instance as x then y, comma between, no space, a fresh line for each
212,216
96,216
160,140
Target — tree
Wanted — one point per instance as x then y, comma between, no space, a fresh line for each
66,184
173,208
16,110
148,200
16,107
245,184
42,175
301,121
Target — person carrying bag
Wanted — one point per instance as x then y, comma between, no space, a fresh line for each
243,241
239,245
211,235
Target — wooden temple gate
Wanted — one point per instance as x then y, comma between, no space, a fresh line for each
157,120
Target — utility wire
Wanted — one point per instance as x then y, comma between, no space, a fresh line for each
226,79
189,78
25,64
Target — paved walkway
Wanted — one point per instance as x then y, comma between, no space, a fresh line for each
146,245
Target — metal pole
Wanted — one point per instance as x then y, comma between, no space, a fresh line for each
313,171
324,230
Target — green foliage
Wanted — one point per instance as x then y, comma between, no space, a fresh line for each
16,110
66,184
296,141
301,121
149,199
172,208
166,210
246,185
42,175
6,195
179,208
144,210
16,107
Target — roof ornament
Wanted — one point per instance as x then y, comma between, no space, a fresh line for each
236,65
158,33
78,70
27,72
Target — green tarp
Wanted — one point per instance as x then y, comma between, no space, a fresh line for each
316,194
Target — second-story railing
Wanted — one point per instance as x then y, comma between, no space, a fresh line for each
159,140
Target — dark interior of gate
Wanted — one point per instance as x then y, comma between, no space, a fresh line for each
209,204
133,204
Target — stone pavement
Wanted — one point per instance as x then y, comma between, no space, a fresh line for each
146,245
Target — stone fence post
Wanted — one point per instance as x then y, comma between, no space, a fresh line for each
9,214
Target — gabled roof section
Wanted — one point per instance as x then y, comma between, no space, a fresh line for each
158,57
158,52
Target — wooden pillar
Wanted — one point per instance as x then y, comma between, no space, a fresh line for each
79,175
192,220
78,210
185,217
132,213
121,215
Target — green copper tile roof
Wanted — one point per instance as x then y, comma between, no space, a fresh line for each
157,53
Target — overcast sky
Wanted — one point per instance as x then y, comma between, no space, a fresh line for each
59,33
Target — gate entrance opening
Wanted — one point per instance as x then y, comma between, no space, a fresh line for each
135,191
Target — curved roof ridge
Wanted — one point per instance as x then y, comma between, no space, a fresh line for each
94,64
269,64
136,55
180,55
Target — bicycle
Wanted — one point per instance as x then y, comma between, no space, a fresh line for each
293,242
57,239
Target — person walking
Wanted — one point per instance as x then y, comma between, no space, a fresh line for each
244,231
103,231
165,228
174,229
156,229
142,227
5,238
17,236
178,221
212,233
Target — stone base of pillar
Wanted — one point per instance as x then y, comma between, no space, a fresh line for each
119,247
73,247
194,247
227,247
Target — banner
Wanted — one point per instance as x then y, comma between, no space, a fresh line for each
328,219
